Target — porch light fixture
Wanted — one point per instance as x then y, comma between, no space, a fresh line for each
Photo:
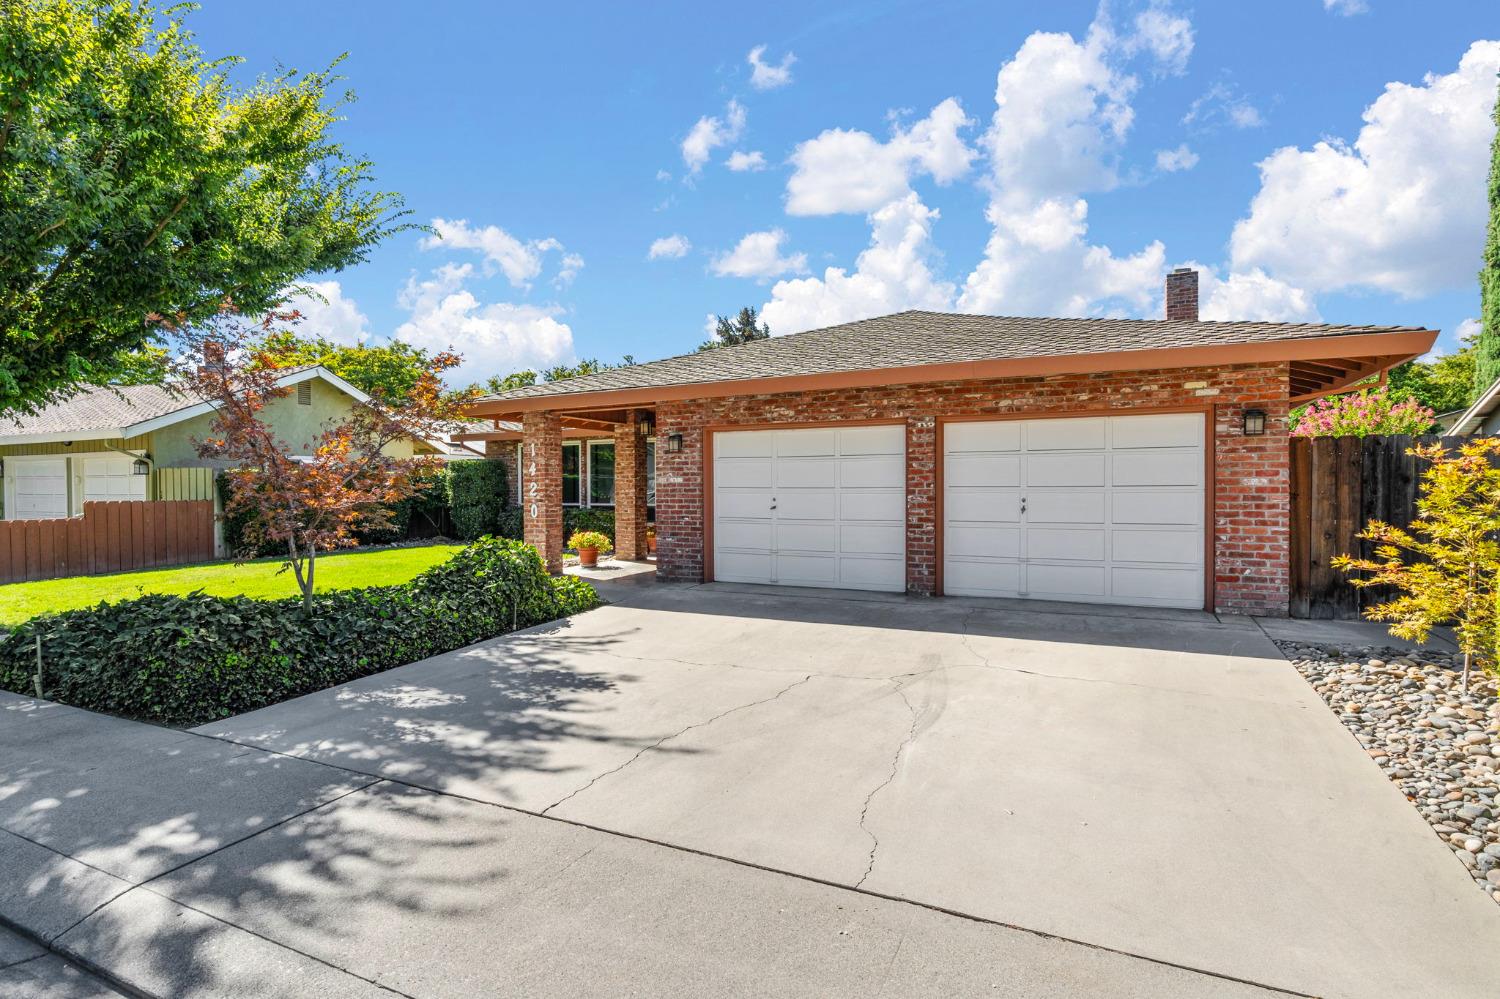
1255,422
141,467
674,443
645,428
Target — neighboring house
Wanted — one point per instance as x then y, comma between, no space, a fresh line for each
1100,460
137,442
1482,418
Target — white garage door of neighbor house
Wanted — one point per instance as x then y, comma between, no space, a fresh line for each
1093,509
815,507
111,477
36,488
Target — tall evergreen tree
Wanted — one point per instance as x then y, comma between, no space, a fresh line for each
743,328
1487,366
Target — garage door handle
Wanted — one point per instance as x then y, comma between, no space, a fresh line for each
1023,504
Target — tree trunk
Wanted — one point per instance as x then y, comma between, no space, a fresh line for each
307,587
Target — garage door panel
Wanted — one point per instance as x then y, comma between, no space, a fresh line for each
1072,543
989,542
962,577
755,534
799,473
742,567
1157,468
739,473
873,573
39,489
1182,547
743,444
873,440
806,443
1072,506
1079,434
806,504
1150,506
807,570
871,471
743,503
1158,430
987,471
875,504
983,505
1003,435
1064,470
815,537
1049,581
1158,586
871,539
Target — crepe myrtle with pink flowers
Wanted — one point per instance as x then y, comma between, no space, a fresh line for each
1363,414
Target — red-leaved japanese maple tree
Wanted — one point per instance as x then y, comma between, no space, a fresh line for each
308,496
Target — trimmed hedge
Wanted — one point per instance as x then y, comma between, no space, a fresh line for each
478,493
189,660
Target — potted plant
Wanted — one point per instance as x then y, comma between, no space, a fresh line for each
651,538
589,544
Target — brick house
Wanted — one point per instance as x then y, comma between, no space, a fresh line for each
1139,462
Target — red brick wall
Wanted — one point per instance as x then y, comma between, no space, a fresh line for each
630,490
542,496
1250,526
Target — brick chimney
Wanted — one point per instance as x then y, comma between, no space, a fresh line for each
1182,295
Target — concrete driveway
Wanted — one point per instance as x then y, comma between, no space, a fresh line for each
1030,800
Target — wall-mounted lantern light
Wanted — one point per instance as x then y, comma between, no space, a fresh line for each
674,443
645,428
1255,422
141,467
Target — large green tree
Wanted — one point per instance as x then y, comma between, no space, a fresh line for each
388,371
1487,365
1443,384
520,379
139,187
743,328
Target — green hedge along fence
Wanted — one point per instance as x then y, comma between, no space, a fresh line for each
189,660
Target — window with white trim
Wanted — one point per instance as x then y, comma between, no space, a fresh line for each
601,473
572,473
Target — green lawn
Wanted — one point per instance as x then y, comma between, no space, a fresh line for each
22,601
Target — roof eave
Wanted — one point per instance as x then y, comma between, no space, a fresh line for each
63,437
1404,344
1483,406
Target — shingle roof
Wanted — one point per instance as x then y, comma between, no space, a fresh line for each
917,338
96,409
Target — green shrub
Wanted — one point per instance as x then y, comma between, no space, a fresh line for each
589,519
512,524
477,495
188,660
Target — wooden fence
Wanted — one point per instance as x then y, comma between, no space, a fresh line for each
109,537
1339,484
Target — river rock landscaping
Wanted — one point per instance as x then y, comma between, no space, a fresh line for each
1441,746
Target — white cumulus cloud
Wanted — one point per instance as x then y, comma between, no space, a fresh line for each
494,337
327,313
768,76
1399,210
1166,35
894,273
673,247
852,171
520,262
1346,8
1251,295
758,255
710,132
1173,160
740,162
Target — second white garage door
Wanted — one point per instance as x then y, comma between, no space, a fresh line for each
814,507
1103,510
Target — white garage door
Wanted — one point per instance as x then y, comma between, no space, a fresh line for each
817,507
1102,510
111,477
36,488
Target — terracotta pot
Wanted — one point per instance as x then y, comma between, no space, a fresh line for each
651,543
588,556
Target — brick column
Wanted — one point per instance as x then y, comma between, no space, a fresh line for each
630,489
541,435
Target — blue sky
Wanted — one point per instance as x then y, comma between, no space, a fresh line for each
1318,160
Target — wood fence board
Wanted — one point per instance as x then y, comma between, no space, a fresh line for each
109,537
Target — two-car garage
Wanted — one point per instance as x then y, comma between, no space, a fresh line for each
1106,509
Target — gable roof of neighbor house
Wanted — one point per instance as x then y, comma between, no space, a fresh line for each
1473,418
919,346
116,412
